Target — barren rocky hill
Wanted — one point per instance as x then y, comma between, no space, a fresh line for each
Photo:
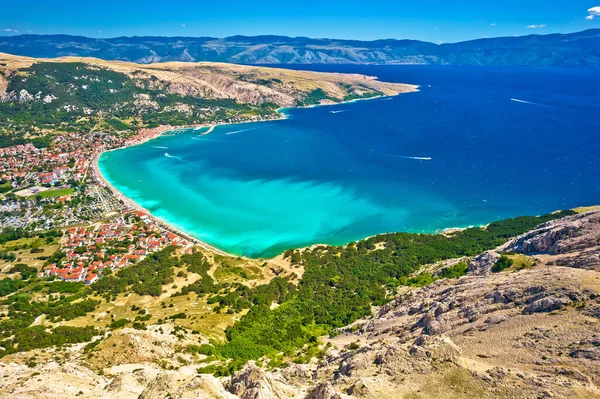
529,331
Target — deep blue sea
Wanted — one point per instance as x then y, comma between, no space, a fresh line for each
472,146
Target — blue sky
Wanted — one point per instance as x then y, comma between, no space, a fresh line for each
436,21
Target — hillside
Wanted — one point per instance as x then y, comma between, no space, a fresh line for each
575,49
432,316
85,94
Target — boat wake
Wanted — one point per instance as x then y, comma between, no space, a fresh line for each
532,103
161,147
202,138
415,158
408,157
240,131
338,112
173,157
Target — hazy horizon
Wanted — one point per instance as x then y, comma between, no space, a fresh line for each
2,34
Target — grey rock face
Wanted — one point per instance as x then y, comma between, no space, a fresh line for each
482,264
560,236
324,391
547,304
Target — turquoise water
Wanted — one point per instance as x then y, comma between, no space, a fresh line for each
471,147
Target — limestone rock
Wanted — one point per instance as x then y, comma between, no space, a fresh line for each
324,391
254,383
482,264
547,304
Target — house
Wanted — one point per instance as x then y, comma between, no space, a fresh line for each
90,278
75,275
46,177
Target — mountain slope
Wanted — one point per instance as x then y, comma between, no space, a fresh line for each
87,93
574,49
529,331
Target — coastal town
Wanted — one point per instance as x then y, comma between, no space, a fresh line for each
86,253
60,188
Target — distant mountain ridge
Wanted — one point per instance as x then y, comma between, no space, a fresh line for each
581,49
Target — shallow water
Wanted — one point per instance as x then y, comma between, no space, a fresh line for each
473,146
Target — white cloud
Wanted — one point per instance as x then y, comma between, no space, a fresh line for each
493,24
183,25
536,26
594,12
11,30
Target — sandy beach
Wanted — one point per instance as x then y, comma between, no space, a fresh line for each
146,135
132,204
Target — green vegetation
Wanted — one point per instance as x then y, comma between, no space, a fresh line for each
340,284
315,97
455,271
503,263
53,193
281,320
25,271
12,234
5,186
363,96
35,337
7,256
118,324
146,278
8,286
62,301
79,96
420,280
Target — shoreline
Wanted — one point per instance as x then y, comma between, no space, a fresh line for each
134,205
149,134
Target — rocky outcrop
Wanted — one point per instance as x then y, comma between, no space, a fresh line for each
128,345
574,241
547,304
482,264
254,383
50,381
178,386
324,391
